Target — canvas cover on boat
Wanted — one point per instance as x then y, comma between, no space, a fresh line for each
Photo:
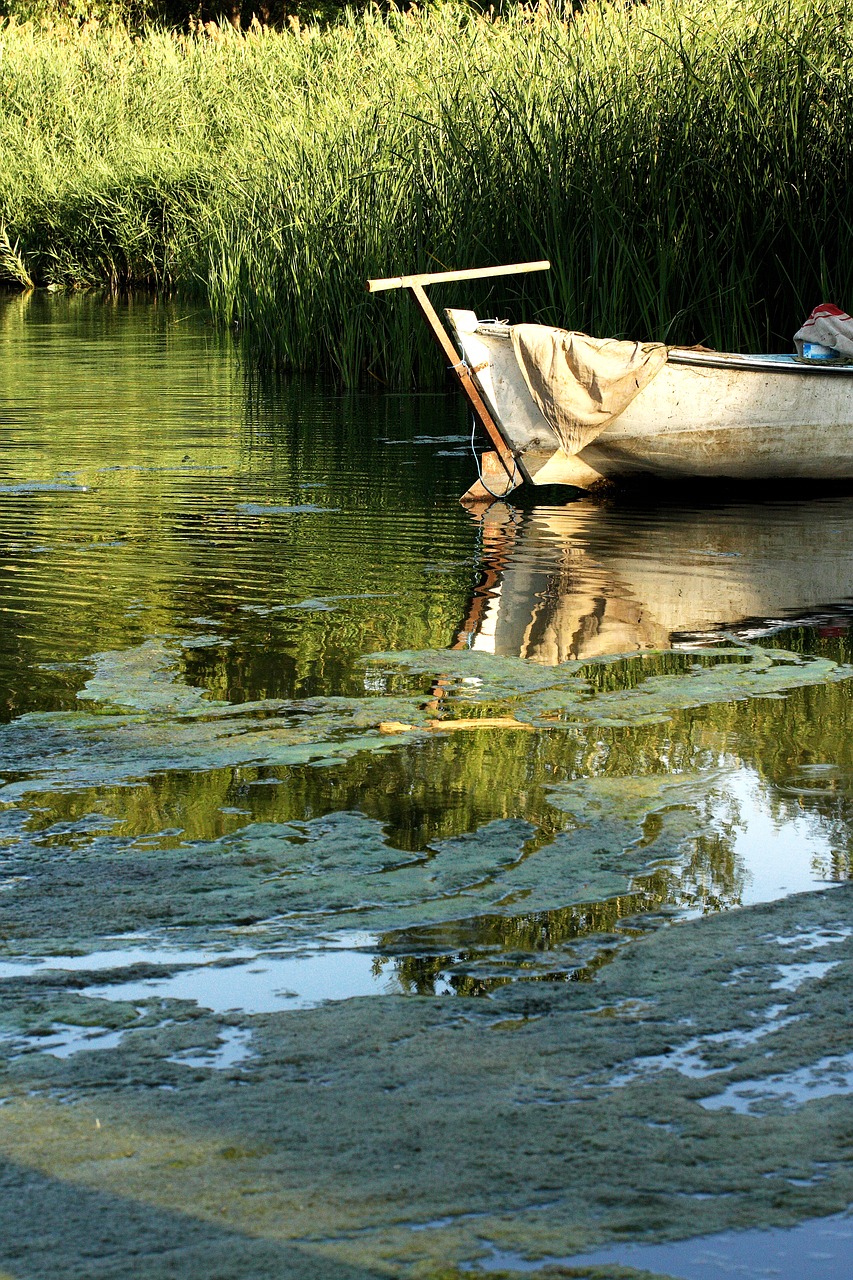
582,383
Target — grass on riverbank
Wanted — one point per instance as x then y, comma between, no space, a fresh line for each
684,164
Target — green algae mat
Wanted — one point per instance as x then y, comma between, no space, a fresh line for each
341,934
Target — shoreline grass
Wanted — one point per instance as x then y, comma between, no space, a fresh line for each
685,165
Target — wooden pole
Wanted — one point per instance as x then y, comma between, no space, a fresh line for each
441,277
463,377
458,367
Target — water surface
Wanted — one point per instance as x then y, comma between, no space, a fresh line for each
283,726
207,541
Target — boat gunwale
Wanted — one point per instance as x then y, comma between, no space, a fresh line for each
757,363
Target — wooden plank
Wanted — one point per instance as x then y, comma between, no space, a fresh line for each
493,482
469,387
439,277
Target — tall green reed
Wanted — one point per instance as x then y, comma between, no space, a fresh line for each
685,165
13,269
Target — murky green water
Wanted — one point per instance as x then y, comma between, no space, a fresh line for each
218,600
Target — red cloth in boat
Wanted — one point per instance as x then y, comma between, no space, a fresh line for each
829,326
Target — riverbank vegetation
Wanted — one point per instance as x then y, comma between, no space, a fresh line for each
684,165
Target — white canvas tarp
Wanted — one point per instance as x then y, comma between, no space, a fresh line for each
582,383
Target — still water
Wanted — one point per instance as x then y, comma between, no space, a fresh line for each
200,798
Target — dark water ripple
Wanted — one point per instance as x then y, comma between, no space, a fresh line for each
139,490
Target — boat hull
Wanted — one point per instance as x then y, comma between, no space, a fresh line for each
704,415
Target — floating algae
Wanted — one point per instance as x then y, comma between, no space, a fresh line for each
146,719
585,692
303,1144
589,840
819,1249
316,1153
329,874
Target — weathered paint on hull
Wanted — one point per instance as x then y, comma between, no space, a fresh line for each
702,416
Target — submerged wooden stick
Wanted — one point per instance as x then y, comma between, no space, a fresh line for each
439,277
449,726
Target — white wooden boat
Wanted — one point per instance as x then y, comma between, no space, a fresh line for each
704,414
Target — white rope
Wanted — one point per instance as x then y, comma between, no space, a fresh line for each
480,469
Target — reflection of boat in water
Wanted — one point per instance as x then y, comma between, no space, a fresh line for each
584,580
